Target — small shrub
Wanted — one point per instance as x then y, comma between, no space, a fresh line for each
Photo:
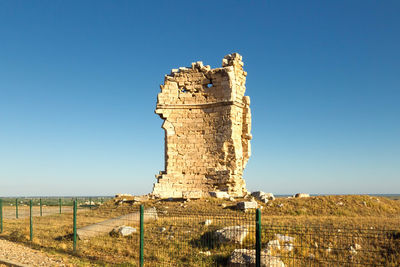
17,236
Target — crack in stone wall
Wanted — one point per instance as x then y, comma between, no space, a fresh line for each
207,123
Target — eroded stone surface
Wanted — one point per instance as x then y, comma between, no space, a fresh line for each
247,258
245,205
207,125
234,234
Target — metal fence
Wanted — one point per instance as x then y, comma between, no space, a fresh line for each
173,237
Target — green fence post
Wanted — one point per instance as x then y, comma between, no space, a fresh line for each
1,216
258,238
16,208
90,202
40,204
60,204
141,235
30,221
74,224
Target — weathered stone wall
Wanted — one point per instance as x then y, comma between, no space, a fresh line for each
207,125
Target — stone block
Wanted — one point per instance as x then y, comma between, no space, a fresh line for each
220,194
245,205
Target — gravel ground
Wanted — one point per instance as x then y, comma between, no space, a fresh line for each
18,253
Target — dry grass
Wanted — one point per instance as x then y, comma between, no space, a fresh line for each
317,224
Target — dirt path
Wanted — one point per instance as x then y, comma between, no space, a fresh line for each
17,253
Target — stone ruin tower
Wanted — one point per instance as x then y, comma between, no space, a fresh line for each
207,124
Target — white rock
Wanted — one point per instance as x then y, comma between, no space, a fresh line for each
234,234
220,194
123,231
352,250
300,195
207,253
284,238
247,257
245,205
274,244
261,195
288,247
207,222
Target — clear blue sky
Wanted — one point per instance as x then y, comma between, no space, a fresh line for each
79,80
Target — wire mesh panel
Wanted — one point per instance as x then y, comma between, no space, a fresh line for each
328,246
109,235
192,233
179,238
38,226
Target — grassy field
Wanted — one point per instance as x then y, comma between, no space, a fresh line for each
324,228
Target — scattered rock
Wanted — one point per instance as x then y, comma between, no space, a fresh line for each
274,244
352,250
311,256
288,247
247,257
207,222
162,229
207,253
245,205
122,231
301,195
232,234
357,246
232,199
284,238
220,194
340,203
223,205
262,196
280,205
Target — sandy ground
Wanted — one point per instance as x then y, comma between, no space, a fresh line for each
17,253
